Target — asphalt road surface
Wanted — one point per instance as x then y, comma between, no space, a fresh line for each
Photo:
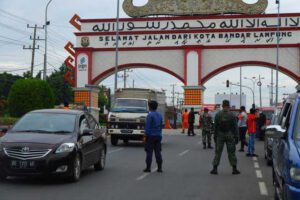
186,177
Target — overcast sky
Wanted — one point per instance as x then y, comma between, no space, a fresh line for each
16,14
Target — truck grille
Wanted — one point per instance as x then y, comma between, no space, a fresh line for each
127,120
26,154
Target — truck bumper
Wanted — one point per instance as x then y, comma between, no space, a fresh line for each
127,134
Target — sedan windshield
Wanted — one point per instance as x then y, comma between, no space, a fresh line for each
46,123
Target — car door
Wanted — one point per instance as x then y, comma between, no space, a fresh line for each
86,142
96,143
281,146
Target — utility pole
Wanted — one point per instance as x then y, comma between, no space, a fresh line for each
259,84
277,52
125,76
33,47
173,94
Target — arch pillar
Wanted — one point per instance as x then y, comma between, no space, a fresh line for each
193,89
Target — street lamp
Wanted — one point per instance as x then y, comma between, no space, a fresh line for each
277,57
254,81
117,46
46,40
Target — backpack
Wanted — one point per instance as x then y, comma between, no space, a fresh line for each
225,121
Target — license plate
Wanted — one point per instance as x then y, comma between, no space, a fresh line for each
22,164
126,131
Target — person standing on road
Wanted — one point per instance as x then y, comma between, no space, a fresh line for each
185,120
242,127
251,132
261,124
206,123
153,131
225,133
191,121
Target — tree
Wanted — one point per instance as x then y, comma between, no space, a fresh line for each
6,81
29,94
61,88
103,99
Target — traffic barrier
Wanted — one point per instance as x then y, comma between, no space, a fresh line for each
168,125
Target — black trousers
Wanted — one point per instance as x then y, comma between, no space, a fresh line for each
243,131
153,143
191,129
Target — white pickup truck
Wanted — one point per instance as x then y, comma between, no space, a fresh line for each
126,121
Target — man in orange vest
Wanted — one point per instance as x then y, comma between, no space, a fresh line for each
185,120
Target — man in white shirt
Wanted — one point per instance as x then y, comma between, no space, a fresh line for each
242,124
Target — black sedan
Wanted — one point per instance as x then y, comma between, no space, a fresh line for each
53,142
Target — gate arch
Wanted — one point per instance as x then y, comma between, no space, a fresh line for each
282,69
111,71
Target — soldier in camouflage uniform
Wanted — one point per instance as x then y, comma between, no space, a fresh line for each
226,132
206,123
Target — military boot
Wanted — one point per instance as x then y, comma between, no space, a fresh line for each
209,146
204,145
214,170
235,171
159,167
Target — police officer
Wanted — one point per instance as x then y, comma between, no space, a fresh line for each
206,123
191,121
153,131
225,133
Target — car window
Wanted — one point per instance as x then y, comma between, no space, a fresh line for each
92,122
83,124
297,125
283,113
286,118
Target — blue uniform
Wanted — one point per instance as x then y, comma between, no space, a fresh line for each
153,130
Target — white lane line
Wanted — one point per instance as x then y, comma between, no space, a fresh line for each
256,165
259,174
185,152
114,151
254,158
146,174
263,188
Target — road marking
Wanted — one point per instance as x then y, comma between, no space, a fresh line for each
254,158
259,174
114,151
146,174
256,165
185,152
263,188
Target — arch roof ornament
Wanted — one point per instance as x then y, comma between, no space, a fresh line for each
193,7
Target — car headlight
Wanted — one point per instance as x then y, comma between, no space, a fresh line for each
295,173
65,148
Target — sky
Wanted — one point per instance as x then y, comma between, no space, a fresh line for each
16,14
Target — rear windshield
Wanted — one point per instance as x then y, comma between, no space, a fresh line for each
46,123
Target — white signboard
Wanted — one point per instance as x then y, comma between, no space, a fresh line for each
187,39
82,70
190,24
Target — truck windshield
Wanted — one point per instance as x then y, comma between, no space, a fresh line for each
130,105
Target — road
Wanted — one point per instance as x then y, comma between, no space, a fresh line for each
185,177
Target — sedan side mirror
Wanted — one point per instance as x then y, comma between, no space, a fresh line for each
275,132
87,132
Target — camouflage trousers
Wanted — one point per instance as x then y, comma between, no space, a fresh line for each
229,140
206,137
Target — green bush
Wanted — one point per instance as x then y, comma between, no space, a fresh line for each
8,121
29,94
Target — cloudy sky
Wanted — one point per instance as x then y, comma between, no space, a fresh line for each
16,14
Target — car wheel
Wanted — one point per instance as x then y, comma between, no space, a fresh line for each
114,140
99,166
76,171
